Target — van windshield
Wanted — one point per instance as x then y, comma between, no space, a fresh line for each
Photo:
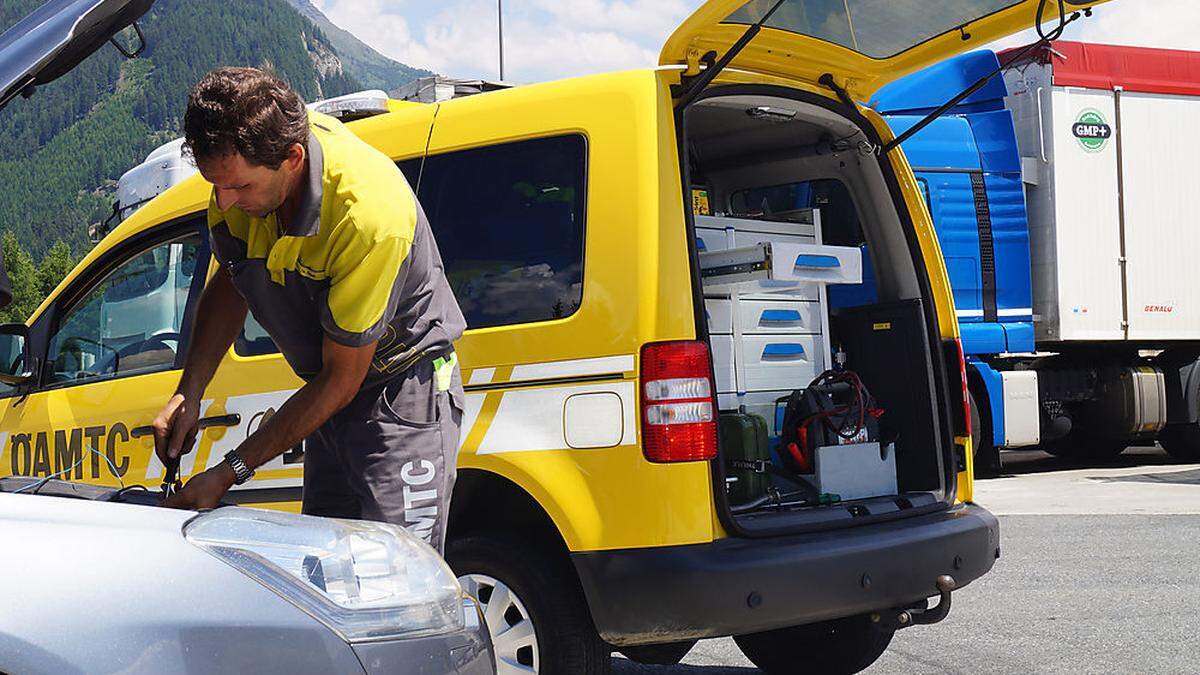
877,28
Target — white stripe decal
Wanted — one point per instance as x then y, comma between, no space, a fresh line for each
253,409
575,368
482,376
1020,311
533,419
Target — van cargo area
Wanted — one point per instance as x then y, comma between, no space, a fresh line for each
826,386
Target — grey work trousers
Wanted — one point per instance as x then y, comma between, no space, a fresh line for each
390,455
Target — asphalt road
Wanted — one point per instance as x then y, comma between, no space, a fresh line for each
1100,573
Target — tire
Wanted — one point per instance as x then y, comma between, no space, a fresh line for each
838,647
1084,448
984,456
542,623
1181,441
659,655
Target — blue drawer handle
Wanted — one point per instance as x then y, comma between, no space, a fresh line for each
817,261
779,315
783,350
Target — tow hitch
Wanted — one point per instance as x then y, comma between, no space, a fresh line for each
921,614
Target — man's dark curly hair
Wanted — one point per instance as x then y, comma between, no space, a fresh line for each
245,110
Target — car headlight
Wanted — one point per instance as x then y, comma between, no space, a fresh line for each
365,580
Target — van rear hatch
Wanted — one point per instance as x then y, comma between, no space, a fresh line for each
863,44
792,171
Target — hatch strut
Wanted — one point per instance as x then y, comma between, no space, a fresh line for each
1046,39
692,85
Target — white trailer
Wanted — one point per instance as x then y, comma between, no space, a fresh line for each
1111,164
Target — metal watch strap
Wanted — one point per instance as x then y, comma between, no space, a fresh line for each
241,472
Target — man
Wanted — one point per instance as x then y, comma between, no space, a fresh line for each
321,238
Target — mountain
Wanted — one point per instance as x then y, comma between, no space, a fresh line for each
366,65
62,151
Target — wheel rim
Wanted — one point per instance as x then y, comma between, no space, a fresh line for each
514,637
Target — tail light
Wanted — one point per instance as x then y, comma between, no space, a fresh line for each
962,426
679,421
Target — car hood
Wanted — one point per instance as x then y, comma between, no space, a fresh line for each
53,39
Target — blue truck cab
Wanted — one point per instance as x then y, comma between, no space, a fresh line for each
989,167
969,167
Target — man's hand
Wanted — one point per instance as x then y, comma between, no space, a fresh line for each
175,428
204,490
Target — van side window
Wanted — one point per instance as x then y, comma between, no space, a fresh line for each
839,217
509,222
130,322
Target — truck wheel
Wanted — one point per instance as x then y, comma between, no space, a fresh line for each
533,606
1181,441
837,647
984,455
659,655
1083,447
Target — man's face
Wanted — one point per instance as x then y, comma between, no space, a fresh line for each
257,190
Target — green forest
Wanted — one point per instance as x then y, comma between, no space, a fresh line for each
62,151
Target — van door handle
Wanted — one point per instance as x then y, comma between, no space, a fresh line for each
230,420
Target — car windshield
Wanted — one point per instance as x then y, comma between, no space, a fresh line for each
876,28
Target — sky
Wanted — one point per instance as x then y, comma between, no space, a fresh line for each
552,39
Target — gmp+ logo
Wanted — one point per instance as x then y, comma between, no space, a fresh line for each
1091,130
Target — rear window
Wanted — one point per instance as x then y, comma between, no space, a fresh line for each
509,221
876,28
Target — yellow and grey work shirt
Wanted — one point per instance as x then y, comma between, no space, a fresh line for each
358,262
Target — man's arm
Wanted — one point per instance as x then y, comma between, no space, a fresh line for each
220,315
343,370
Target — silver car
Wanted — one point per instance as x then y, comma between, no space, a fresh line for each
101,580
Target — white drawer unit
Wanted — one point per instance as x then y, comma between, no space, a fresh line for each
711,240
782,265
805,227
769,363
743,239
765,304
764,316
722,356
777,362
715,233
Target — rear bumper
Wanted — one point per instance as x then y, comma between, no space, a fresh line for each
738,586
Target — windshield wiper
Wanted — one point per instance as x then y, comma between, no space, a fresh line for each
692,85
1045,39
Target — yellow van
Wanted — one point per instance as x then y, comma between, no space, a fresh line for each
641,256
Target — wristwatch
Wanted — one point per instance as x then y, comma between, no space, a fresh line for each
241,472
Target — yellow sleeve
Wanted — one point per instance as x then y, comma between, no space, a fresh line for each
364,279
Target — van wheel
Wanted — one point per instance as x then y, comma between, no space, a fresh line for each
532,604
837,647
1181,441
